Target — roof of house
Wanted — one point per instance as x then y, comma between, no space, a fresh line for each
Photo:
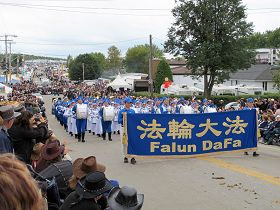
181,70
261,72
176,62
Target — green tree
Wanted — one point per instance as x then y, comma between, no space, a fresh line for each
258,40
213,36
163,71
137,58
274,38
69,59
114,60
268,39
276,79
101,59
92,69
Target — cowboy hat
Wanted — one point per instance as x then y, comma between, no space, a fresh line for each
8,113
125,198
52,150
83,166
93,185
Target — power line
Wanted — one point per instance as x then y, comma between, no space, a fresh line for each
81,44
68,0
68,9
75,11
42,54
268,12
88,8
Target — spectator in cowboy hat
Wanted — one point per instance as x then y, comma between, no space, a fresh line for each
125,198
7,116
88,193
50,153
83,166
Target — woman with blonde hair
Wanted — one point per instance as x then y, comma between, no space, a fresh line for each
18,190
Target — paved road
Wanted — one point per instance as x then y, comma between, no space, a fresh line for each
221,182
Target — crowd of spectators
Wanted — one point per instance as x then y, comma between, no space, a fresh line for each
36,170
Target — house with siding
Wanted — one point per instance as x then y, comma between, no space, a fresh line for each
258,75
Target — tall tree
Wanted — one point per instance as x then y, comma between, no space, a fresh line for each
101,59
69,59
274,38
137,58
92,69
276,79
268,39
163,71
213,36
258,40
114,60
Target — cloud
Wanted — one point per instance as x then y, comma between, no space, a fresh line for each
36,28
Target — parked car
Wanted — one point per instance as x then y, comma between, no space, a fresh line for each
234,105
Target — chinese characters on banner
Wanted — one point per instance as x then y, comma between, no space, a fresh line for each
175,135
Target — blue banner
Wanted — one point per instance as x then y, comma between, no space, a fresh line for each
190,134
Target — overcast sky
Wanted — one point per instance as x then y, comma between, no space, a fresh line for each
48,27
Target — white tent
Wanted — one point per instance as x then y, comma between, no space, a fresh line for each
118,83
180,90
5,88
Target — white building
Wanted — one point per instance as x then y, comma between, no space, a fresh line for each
267,56
259,75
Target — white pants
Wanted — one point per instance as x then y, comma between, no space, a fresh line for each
89,124
115,126
74,127
98,127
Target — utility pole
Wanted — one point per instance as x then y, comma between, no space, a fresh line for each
6,40
10,62
150,67
83,72
17,65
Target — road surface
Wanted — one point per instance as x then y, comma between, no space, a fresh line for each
222,182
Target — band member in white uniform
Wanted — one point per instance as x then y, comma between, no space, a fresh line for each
73,121
89,119
94,117
137,107
68,114
115,123
144,109
98,128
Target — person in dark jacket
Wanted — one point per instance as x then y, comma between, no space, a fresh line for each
24,136
273,129
88,194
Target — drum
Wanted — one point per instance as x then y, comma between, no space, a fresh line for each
108,113
82,111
